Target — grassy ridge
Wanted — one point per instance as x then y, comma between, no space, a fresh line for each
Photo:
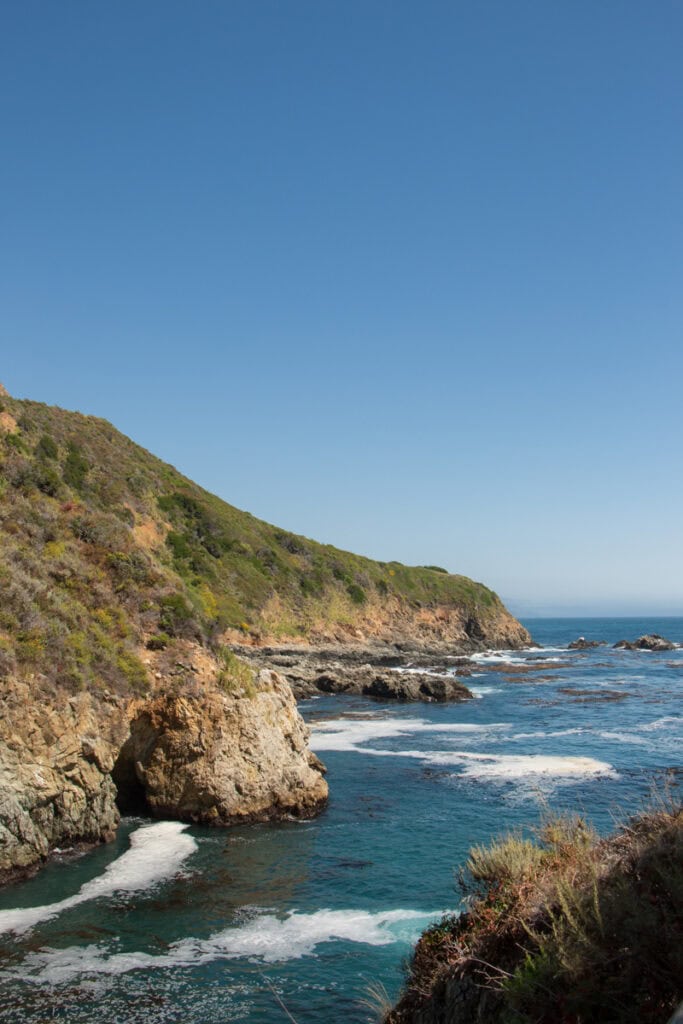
102,544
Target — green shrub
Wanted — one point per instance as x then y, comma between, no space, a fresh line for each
47,479
158,642
234,675
511,859
46,448
179,545
76,467
129,567
356,593
19,473
176,616
16,442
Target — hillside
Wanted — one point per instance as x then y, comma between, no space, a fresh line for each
106,550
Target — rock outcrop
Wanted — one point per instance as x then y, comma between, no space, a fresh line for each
649,642
380,670
221,760
581,644
203,755
56,788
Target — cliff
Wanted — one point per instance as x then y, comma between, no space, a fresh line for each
571,928
211,752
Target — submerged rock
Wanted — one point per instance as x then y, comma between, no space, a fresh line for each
648,642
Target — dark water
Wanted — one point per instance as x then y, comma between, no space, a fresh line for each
194,925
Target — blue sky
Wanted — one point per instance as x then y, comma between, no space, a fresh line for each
401,277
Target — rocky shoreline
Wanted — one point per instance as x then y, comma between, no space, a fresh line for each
380,670
190,750
70,767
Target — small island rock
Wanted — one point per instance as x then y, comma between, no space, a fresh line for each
649,642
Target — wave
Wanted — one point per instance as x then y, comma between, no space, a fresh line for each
493,658
504,767
543,735
156,853
346,734
667,722
265,938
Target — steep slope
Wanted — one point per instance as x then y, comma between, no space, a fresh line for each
103,545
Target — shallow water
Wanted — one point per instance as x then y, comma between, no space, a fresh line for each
194,925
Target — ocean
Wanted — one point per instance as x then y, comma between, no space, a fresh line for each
308,920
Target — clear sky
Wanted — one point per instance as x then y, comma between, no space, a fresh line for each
403,277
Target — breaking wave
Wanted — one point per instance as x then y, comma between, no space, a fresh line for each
266,938
156,853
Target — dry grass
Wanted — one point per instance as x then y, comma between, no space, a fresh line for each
571,929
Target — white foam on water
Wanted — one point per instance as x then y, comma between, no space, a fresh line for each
527,656
538,769
493,658
266,938
625,737
667,722
156,853
483,691
345,734
541,735
406,671
534,768
505,767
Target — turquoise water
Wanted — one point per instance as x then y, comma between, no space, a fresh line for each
206,927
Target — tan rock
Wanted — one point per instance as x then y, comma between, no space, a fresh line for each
197,754
221,759
55,784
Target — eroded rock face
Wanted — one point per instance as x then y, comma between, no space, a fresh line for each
220,759
199,755
55,784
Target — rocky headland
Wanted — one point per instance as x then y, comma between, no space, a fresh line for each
126,589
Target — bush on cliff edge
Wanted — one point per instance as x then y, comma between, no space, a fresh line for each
570,930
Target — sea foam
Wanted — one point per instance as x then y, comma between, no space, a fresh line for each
346,734
156,853
265,938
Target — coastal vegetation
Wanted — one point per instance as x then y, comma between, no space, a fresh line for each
105,549
568,928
